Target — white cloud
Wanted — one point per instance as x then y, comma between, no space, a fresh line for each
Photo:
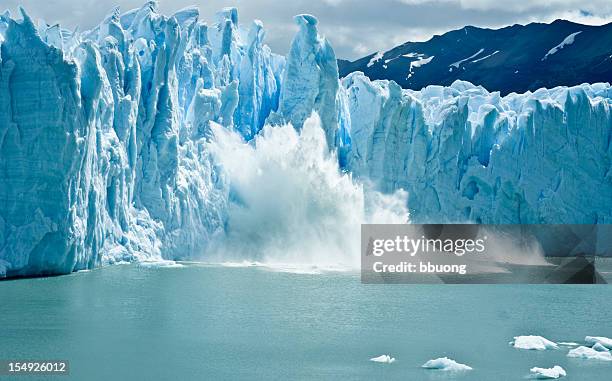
418,2
333,3
361,50
355,27
527,5
580,17
522,5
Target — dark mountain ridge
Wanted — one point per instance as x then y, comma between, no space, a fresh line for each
516,58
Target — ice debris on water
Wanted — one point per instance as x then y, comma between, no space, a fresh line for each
548,373
589,354
385,359
445,364
531,342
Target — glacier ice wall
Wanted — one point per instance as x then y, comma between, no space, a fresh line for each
104,134
310,81
105,139
466,155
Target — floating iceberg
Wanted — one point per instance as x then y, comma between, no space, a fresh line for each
600,348
446,364
385,359
548,373
537,343
594,340
107,136
589,354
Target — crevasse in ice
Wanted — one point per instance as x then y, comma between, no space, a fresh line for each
104,137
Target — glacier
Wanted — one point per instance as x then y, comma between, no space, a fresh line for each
114,145
464,154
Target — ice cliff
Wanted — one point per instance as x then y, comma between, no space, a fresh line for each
105,138
464,154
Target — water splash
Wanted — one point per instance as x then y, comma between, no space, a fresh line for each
290,205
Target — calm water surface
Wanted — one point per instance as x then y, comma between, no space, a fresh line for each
200,322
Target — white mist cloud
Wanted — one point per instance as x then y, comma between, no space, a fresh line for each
291,204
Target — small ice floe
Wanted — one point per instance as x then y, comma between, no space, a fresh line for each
306,268
536,343
241,264
589,354
604,341
568,344
548,373
160,263
385,359
444,363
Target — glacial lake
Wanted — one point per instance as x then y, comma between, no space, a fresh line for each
197,322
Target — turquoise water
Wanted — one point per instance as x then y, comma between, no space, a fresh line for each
198,322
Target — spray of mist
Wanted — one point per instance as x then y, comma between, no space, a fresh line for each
290,205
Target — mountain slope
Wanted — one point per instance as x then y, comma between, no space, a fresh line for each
512,59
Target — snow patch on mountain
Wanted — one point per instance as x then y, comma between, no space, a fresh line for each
458,63
566,41
377,57
485,57
418,63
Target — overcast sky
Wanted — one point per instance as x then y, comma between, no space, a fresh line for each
355,27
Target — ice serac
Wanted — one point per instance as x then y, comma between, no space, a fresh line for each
259,88
467,155
310,81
